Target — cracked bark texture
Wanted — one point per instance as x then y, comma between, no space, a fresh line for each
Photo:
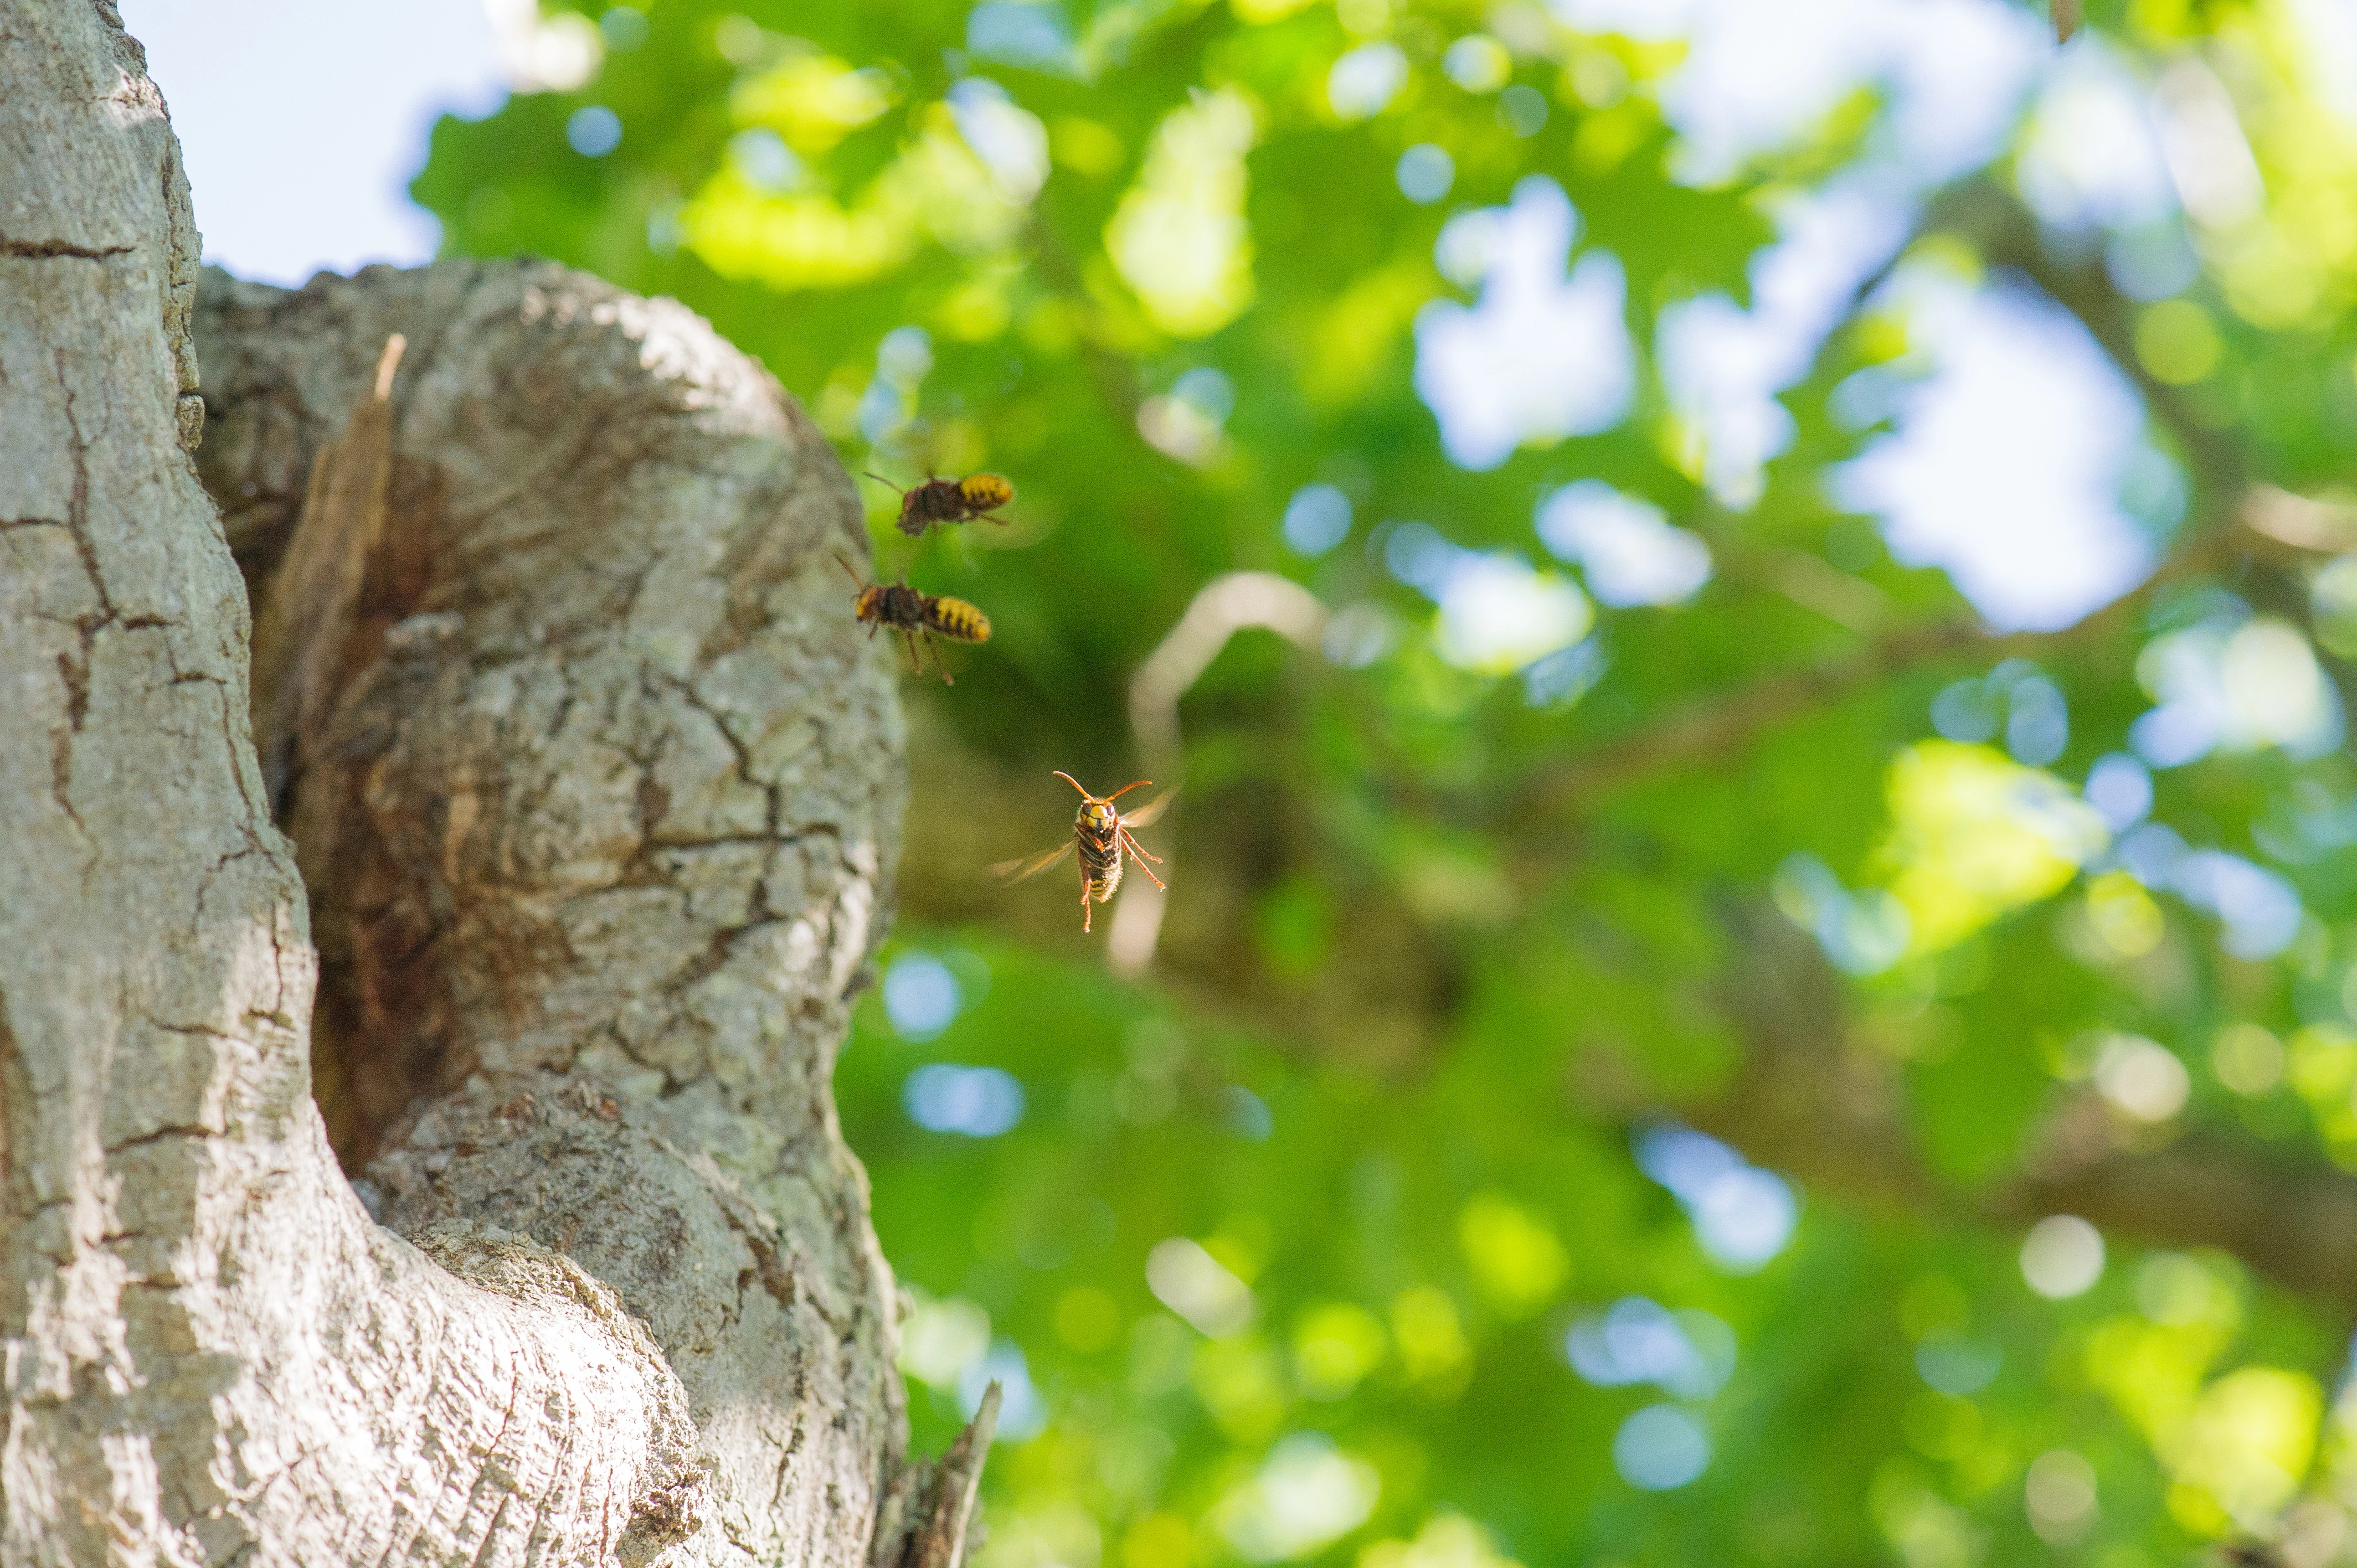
599,829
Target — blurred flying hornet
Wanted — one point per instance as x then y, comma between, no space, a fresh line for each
1102,836
914,615
943,501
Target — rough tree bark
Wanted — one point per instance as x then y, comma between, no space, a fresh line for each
597,800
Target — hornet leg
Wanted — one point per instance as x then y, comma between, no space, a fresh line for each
1140,856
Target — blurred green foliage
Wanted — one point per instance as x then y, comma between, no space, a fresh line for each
1347,1233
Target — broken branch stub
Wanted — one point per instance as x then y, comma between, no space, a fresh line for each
928,1518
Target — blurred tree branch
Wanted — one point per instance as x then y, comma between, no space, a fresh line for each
1809,1098
1801,1101
1811,1101
1718,727
2237,523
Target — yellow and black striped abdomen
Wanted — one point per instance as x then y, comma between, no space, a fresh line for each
1100,861
982,492
956,619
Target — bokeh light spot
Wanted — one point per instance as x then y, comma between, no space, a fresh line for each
1744,1219
594,131
1659,1448
1522,108
1477,63
1742,1216
1198,1287
1514,1257
1425,173
2248,1058
1178,237
2060,1493
2176,341
1009,140
1957,1366
761,157
1498,615
2142,1078
1637,1340
1335,1346
1306,1494
625,27
1316,519
1245,1114
2333,594
921,996
974,1102
1019,32
2063,1256
1363,81
939,1339
1627,548
2120,787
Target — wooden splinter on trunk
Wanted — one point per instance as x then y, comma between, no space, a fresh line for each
925,1522
304,624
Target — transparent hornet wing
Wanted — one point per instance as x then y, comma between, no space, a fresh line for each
1031,866
1144,816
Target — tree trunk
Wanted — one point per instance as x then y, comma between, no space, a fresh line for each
596,792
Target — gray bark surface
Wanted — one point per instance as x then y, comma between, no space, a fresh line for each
597,815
